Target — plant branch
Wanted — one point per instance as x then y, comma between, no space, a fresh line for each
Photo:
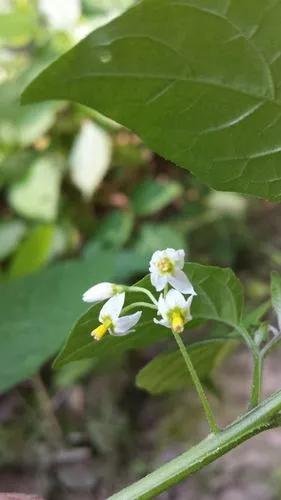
270,345
257,380
265,416
257,366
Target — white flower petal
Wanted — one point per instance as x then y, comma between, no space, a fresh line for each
180,258
180,281
112,307
162,322
175,299
188,316
124,324
176,256
162,306
189,301
96,293
158,255
158,281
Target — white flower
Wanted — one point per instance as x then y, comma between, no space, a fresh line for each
166,267
112,322
175,310
101,291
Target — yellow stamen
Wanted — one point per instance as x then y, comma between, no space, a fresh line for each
177,322
165,265
99,332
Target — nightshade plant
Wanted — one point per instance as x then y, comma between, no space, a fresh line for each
203,90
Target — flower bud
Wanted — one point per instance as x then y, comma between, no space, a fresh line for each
101,291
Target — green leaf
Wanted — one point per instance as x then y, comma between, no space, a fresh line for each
203,89
36,196
14,166
21,126
33,252
107,232
220,298
153,236
152,195
37,311
11,233
167,372
276,295
254,317
17,25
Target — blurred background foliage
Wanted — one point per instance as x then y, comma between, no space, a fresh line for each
83,200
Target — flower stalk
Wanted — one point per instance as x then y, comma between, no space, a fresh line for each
196,381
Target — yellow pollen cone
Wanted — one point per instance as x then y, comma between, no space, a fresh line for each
99,332
177,322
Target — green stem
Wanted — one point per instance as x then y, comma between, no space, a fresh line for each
139,289
51,424
262,418
139,304
247,337
257,366
257,381
271,344
201,393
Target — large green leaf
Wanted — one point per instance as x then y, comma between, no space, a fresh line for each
198,80
220,298
37,311
167,372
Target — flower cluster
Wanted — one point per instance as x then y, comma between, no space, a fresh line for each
171,307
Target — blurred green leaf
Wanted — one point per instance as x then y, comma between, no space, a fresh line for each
21,126
276,295
231,204
262,334
34,252
37,311
11,233
153,236
220,298
202,89
108,7
167,372
90,158
14,166
17,25
115,229
153,195
73,372
36,196
254,317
